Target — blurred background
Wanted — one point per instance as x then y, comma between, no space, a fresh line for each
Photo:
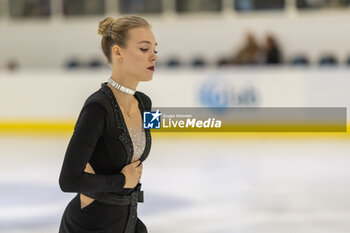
212,53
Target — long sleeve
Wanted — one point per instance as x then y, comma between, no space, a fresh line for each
88,129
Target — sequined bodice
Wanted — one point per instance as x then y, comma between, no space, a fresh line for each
138,139
133,124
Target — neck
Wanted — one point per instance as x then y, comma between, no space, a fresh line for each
125,80
124,99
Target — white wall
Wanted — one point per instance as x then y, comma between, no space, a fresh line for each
50,43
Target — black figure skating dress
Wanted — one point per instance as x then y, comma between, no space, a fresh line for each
102,139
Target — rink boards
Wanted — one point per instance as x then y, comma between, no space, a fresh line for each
49,101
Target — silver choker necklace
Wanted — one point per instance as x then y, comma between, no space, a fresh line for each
121,87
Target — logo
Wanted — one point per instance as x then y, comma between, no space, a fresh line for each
214,92
217,91
151,120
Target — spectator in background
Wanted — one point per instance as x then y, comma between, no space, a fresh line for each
271,51
11,65
249,53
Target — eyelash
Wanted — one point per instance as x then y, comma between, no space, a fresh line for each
145,50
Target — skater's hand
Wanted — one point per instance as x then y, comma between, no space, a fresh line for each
132,173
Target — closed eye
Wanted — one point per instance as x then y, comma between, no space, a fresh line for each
145,50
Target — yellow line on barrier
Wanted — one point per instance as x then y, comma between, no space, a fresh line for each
65,128
36,128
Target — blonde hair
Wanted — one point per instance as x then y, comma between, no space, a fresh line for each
115,31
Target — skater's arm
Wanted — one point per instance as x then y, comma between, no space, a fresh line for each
88,129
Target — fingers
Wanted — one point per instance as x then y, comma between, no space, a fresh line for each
136,163
139,176
140,169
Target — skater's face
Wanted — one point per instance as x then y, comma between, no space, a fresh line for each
139,54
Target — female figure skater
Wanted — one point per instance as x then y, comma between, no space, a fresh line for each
103,161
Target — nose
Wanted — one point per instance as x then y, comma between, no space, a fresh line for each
154,57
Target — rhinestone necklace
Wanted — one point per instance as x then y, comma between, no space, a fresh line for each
121,87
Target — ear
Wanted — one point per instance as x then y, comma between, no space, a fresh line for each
116,51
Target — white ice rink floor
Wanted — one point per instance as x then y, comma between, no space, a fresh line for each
210,185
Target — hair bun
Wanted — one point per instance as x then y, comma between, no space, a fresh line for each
104,26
